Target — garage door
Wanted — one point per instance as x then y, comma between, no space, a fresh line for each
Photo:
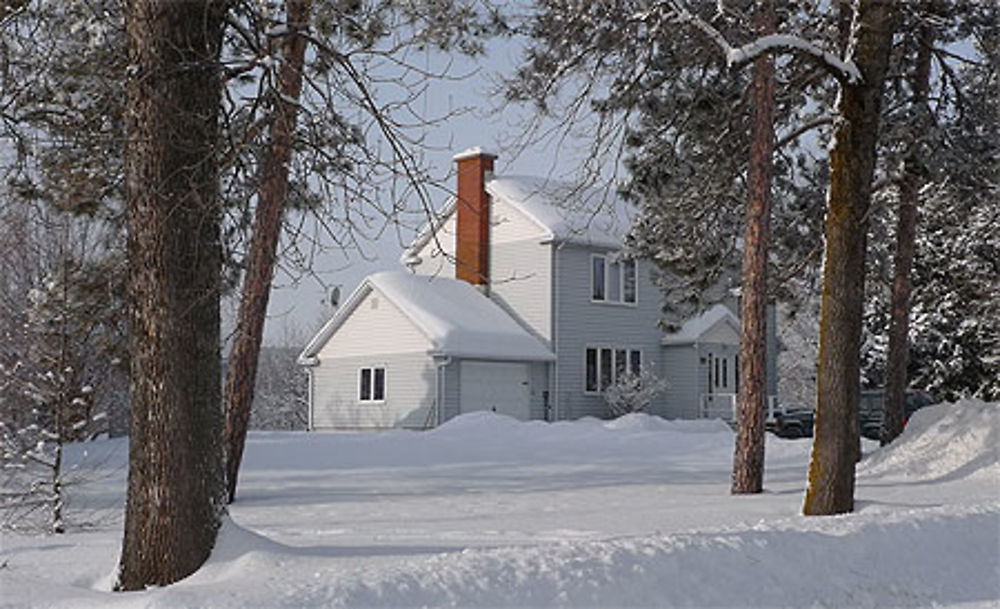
497,386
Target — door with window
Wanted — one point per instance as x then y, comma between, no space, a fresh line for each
719,377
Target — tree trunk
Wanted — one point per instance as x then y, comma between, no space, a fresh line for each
175,484
748,457
852,163
268,217
893,411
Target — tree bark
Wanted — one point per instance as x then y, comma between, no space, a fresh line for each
748,457
175,483
256,292
852,163
894,408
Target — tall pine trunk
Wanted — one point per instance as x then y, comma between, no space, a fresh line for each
268,216
748,457
175,483
852,164
894,409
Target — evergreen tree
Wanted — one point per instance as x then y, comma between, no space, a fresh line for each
952,352
176,479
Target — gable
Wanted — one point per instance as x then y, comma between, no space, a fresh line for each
721,332
437,255
374,325
510,224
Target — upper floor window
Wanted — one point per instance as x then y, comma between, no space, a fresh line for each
613,280
372,384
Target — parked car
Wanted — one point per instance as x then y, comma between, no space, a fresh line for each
792,423
872,405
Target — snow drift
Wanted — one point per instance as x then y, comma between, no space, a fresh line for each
943,441
486,511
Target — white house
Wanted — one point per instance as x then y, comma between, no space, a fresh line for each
515,299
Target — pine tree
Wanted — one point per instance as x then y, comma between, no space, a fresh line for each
852,166
176,480
748,454
953,136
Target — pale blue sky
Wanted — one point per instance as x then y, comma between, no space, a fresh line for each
300,308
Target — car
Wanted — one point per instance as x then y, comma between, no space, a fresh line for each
873,402
792,423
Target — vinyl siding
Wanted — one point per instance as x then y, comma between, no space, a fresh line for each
682,372
376,333
437,256
376,325
582,323
520,269
721,333
451,377
409,394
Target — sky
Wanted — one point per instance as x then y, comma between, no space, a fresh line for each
299,306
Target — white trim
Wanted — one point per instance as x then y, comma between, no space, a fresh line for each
621,302
385,384
311,388
471,153
614,362
593,275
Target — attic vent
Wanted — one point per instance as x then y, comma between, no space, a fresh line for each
374,302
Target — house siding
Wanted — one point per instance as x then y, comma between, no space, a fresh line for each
437,256
681,370
409,394
520,269
451,377
376,325
376,333
582,324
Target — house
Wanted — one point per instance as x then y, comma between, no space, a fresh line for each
515,299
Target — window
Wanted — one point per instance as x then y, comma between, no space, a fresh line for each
606,369
629,275
613,281
605,365
635,362
597,278
372,384
590,385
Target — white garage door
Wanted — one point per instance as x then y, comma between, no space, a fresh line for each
497,386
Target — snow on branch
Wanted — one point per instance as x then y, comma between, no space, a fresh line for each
743,55
737,57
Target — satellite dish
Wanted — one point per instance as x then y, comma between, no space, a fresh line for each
412,261
334,296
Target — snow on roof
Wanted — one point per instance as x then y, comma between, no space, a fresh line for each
695,327
458,319
588,216
585,216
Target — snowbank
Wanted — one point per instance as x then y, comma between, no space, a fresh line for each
486,511
946,441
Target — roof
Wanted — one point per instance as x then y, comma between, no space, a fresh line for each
565,213
696,327
458,319
588,216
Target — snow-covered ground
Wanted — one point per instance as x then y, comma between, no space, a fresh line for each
486,511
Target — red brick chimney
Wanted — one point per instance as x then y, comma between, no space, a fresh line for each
472,254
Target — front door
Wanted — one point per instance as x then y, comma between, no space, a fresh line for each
719,370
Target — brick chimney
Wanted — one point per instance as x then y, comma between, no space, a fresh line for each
472,254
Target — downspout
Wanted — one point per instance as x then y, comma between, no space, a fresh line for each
311,394
697,384
439,390
554,317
